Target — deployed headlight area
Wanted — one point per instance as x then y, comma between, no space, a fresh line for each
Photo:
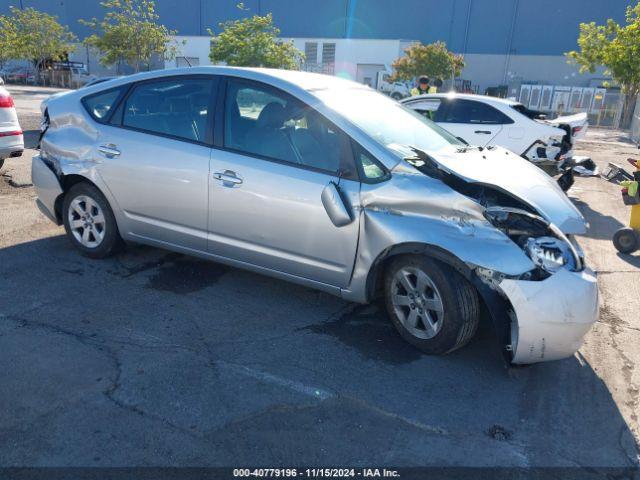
545,244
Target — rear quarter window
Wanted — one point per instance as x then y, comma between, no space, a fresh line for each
99,105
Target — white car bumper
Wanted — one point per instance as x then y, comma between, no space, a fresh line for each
11,146
553,315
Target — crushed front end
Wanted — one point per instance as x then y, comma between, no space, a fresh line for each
549,309
543,311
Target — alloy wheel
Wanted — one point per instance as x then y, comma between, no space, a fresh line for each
86,221
417,302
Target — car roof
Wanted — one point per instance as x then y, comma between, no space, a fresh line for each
464,96
303,80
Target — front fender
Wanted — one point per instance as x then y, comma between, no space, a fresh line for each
416,209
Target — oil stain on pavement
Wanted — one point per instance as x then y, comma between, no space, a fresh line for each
367,329
186,275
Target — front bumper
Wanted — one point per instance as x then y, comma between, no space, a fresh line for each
552,316
47,188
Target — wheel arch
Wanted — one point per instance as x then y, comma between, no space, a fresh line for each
492,303
66,182
380,264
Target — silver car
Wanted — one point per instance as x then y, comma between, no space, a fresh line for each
326,183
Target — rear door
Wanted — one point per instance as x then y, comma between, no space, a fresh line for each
154,157
476,122
275,157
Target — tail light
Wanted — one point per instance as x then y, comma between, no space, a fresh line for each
576,129
11,134
6,101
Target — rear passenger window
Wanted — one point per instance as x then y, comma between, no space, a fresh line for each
176,107
100,104
469,111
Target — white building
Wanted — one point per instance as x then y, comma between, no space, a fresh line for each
357,59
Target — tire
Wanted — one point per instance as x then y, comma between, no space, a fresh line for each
396,96
453,319
89,222
626,240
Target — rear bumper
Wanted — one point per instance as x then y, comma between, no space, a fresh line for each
11,146
47,188
552,316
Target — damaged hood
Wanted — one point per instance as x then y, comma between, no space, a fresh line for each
516,176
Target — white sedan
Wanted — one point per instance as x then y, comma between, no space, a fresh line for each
11,139
481,120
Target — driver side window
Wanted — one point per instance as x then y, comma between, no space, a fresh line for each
268,123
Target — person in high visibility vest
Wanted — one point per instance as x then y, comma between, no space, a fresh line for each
422,87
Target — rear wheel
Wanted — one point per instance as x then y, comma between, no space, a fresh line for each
89,221
432,306
626,240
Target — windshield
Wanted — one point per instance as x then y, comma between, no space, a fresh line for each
387,121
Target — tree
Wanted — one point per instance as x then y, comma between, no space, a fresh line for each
617,48
39,37
253,42
8,40
129,33
433,60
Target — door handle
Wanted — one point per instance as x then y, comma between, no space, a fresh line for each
228,177
109,150
484,132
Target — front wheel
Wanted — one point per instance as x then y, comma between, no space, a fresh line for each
432,306
89,221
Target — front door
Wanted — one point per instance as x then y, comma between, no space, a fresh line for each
266,186
154,158
476,122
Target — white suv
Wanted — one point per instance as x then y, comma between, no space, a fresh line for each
11,139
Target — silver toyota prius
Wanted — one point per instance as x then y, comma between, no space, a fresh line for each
323,182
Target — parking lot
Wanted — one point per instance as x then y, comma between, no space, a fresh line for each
154,358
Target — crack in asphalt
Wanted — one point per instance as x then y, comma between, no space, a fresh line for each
110,393
633,390
318,395
101,346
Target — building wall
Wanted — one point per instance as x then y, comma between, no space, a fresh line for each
349,53
192,46
522,27
503,40
486,70
353,52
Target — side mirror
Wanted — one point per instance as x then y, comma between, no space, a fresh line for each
335,206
